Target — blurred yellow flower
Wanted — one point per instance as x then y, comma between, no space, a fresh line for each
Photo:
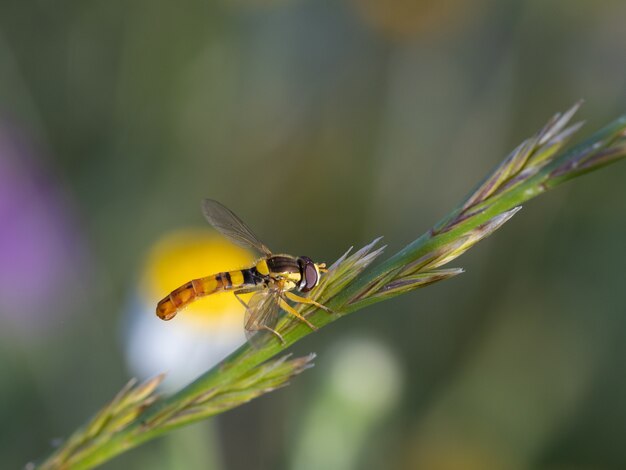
190,254
203,333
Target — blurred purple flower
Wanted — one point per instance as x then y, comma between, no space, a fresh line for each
39,247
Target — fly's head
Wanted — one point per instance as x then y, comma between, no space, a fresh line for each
310,273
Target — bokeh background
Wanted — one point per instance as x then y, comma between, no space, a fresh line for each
323,124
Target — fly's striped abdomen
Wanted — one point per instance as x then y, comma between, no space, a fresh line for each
180,298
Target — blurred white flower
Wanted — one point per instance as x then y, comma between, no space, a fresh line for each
362,386
201,335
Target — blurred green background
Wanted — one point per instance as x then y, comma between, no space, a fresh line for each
337,121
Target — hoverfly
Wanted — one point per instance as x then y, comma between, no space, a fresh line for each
272,278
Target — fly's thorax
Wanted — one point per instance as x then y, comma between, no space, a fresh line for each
290,272
284,265
285,270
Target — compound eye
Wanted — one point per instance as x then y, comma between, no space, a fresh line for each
310,276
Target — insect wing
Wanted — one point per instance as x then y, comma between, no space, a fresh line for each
231,226
261,314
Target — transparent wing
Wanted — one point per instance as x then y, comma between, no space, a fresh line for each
231,226
262,313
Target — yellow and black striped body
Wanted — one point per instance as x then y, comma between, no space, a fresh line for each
180,298
282,270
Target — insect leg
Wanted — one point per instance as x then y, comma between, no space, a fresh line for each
289,309
245,290
305,300
278,335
